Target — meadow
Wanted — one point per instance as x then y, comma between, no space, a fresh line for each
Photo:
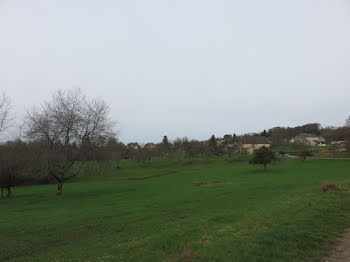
241,214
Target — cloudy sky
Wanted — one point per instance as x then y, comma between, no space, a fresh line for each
183,67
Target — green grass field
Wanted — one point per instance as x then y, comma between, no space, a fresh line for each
251,215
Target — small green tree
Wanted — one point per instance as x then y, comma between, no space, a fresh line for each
305,153
263,156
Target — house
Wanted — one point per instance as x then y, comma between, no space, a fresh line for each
220,141
150,146
134,146
338,143
251,143
308,140
228,138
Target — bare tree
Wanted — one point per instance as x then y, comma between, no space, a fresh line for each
65,124
194,148
14,166
5,112
347,138
179,148
347,122
115,151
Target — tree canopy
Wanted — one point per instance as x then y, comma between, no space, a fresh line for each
305,153
263,156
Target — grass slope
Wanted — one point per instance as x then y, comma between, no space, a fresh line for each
251,215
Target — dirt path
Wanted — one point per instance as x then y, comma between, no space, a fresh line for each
341,253
332,158
324,158
148,177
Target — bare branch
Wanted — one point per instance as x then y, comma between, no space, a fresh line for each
67,124
5,112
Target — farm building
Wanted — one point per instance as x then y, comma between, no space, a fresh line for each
308,140
133,146
251,143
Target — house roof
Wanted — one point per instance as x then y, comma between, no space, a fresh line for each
150,145
133,144
255,140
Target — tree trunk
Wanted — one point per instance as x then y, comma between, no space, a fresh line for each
9,192
59,188
265,167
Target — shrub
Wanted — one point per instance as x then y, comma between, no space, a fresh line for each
305,153
263,156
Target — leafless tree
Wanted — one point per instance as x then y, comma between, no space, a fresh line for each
346,132
5,112
14,166
179,148
195,148
64,125
347,122
143,155
115,151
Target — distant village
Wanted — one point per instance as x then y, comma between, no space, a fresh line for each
307,136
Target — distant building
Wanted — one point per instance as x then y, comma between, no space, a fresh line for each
150,146
339,143
251,143
134,146
228,137
308,140
220,141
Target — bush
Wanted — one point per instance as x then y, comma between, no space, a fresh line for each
305,153
263,156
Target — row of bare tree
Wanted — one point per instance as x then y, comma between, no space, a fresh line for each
58,135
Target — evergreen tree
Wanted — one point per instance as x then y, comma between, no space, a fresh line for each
347,122
213,149
165,146
234,138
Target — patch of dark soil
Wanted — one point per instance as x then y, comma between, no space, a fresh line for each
330,187
205,183
200,183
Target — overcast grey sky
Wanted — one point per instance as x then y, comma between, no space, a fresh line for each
183,67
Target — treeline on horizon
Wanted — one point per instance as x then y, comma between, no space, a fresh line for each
59,137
